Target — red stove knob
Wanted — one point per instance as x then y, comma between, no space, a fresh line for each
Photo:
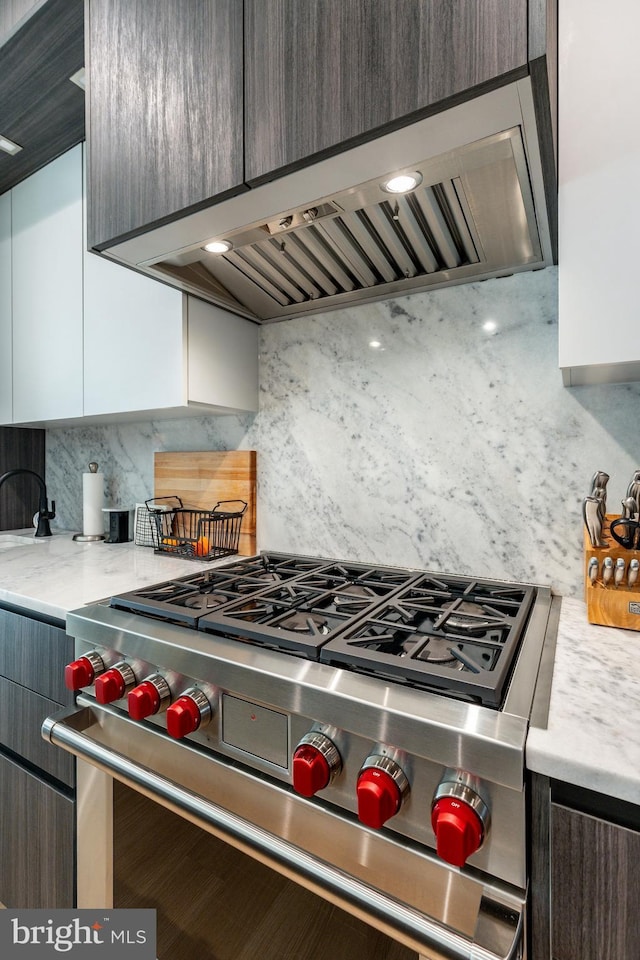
460,820
114,683
381,789
148,697
189,712
316,762
81,672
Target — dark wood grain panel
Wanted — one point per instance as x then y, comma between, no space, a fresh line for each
40,108
37,836
323,72
595,888
22,713
216,903
543,67
19,497
34,654
540,905
165,110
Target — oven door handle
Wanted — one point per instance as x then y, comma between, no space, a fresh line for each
498,933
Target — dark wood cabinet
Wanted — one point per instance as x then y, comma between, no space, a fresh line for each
585,886
165,131
36,840
37,799
595,888
19,497
191,103
325,72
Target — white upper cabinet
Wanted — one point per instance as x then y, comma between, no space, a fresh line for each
47,292
94,339
599,196
222,358
6,379
133,341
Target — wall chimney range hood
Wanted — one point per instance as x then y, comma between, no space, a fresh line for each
330,235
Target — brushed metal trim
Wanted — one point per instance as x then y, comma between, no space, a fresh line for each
468,910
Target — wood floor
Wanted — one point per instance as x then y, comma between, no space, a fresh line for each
224,905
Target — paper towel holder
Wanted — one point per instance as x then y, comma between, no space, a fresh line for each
89,537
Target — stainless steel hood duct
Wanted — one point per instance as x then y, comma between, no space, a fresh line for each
328,236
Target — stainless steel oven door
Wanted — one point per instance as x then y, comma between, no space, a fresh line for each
403,891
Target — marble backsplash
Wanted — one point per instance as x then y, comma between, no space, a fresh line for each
431,430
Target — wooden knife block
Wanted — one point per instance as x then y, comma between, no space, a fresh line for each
611,606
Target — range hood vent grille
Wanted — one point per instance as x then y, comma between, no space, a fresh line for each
473,216
389,241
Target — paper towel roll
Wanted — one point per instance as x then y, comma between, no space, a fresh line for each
92,501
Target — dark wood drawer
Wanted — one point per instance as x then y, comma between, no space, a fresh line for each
595,887
21,714
37,836
34,654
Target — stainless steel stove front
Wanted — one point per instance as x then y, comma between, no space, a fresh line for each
233,777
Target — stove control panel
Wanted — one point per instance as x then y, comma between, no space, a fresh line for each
114,683
149,697
316,762
190,712
460,821
381,790
83,671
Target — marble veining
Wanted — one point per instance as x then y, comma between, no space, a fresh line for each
594,714
451,444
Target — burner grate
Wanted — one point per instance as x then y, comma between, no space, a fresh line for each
457,636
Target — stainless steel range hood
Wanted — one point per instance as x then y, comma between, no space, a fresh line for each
328,236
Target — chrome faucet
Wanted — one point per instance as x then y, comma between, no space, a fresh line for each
44,514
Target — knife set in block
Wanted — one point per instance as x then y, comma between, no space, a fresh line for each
612,556
612,584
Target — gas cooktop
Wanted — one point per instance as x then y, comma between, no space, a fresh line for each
456,635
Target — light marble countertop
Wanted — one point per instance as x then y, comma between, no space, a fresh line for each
592,738
56,574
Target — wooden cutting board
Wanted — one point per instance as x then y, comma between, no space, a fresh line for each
202,478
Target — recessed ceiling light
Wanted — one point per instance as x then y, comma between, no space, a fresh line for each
78,78
217,246
403,182
9,146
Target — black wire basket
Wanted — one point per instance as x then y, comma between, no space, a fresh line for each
196,534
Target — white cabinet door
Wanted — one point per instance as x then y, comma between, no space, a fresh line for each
599,191
133,341
6,402
47,292
223,358
90,337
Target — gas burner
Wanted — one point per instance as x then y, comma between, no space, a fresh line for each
357,591
303,622
437,650
205,601
450,634
258,581
466,616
